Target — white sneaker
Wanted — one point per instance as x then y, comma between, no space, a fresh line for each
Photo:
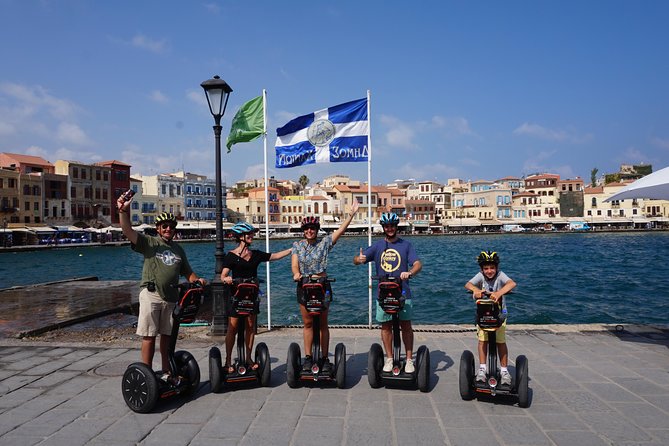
480,376
506,378
409,367
388,365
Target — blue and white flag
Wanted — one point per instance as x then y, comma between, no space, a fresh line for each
338,134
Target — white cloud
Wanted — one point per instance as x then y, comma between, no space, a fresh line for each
633,155
213,8
456,125
537,131
71,133
660,142
146,163
65,153
28,101
37,151
7,129
255,171
158,96
198,97
282,117
399,134
437,172
145,43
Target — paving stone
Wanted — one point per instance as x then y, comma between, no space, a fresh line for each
324,431
469,437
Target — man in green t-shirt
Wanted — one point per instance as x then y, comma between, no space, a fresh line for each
164,262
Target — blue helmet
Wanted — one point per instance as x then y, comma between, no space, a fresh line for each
242,228
389,218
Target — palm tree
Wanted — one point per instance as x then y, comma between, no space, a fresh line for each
304,180
593,177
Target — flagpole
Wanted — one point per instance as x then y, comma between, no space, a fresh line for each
369,202
264,139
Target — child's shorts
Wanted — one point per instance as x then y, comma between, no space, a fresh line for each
155,314
501,334
406,313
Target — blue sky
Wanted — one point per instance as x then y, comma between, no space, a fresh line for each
471,90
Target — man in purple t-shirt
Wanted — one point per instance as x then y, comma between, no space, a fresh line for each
396,258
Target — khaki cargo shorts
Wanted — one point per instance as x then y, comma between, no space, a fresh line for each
155,314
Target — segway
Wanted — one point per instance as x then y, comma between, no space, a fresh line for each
391,298
142,387
489,318
244,303
317,300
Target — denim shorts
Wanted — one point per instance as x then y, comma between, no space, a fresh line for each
406,313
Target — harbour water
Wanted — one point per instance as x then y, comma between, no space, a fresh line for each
562,277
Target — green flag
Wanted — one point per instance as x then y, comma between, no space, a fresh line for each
248,123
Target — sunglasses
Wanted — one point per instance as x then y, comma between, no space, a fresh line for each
164,226
310,228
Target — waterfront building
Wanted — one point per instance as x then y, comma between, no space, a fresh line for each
634,213
292,209
115,177
200,197
419,214
57,209
22,187
169,192
545,186
250,206
570,197
331,181
89,191
514,183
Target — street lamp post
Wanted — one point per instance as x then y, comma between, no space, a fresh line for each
218,92
4,232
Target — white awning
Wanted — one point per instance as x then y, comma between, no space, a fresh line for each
40,229
463,222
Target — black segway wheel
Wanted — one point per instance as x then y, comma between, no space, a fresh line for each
340,365
467,375
215,370
374,366
522,379
423,368
293,365
189,370
140,387
264,362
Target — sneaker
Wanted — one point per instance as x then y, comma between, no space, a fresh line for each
327,366
480,376
388,365
506,378
306,365
409,367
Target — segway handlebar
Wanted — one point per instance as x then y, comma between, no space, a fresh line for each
314,278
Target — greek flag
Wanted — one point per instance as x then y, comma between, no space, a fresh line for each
338,134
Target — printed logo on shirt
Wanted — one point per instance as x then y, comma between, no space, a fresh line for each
168,258
390,260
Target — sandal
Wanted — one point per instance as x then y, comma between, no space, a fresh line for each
229,369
